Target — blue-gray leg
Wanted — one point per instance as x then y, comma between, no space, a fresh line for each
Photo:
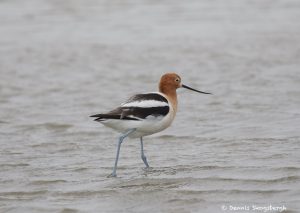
122,137
142,154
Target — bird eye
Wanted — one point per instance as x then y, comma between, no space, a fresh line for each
177,80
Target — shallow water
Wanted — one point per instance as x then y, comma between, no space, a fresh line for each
61,61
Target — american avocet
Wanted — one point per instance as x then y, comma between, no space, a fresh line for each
145,114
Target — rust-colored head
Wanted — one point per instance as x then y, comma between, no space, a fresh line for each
169,82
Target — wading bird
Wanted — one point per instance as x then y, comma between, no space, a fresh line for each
145,114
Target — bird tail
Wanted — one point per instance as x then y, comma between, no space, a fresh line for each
103,117
100,117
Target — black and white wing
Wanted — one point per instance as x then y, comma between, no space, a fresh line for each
138,107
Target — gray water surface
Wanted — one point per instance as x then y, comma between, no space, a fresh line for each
61,61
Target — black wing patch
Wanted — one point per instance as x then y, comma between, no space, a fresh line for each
133,113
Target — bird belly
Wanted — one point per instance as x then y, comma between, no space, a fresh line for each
147,126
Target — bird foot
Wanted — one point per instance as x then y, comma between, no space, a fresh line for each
112,175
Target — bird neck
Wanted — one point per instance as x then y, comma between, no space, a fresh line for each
171,94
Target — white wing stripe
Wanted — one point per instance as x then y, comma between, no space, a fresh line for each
145,104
